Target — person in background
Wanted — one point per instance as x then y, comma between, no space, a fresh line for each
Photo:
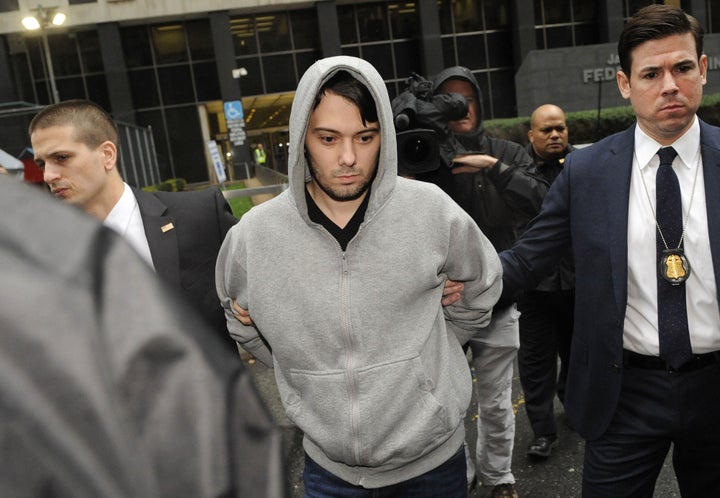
640,211
260,156
109,384
498,185
177,233
369,364
546,313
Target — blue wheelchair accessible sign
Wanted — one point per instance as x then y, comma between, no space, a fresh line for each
233,110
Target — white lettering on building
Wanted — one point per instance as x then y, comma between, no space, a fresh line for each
713,62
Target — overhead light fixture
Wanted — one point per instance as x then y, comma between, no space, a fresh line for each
30,23
58,19
44,17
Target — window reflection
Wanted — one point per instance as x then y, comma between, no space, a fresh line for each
64,50
279,73
565,23
381,57
346,19
136,46
372,22
305,29
243,31
273,32
275,49
403,20
206,81
199,39
143,88
77,66
89,45
169,43
187,143
176,85
477,34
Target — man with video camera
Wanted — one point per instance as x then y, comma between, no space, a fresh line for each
497,183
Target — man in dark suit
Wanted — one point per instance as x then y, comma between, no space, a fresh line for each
178,234
644,371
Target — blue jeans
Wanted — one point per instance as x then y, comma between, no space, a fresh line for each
446,481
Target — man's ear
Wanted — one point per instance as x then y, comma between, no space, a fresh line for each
109,154
623,83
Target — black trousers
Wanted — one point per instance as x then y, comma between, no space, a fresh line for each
658,409
546,324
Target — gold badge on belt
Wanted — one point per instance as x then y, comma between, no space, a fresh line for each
674,266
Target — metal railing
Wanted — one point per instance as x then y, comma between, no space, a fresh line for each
251,191
137,158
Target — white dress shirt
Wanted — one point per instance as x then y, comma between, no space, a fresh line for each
641,318
125,219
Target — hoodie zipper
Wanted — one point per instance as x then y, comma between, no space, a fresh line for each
349,356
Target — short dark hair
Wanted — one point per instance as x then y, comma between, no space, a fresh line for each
93,125
345,85
653,23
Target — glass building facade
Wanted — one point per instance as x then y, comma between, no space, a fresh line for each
172,67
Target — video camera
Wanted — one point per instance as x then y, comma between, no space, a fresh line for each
424,139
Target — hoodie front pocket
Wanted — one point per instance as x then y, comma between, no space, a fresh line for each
375,415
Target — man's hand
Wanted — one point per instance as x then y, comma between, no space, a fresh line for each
472,163
243,315
451,292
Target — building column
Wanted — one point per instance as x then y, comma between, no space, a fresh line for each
8,92
523,30
118,84
230,90
329,28
432,61
697,9
611,20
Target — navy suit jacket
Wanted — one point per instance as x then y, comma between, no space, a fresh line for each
587,209
185,231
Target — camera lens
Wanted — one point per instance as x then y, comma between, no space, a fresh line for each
416,150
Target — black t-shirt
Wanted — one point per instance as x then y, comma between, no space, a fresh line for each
342,235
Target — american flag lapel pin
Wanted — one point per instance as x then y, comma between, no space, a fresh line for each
167,227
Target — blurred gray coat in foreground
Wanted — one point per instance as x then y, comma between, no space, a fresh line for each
108,384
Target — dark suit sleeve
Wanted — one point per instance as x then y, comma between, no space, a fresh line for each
226,218
517,180
537,252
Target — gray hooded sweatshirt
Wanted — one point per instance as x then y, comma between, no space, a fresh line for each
368,363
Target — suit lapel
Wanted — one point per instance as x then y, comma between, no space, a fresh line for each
161,234
619,171
710,149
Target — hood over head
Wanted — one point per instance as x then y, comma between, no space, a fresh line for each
462,73
317,75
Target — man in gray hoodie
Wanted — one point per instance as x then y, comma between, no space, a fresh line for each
343,275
